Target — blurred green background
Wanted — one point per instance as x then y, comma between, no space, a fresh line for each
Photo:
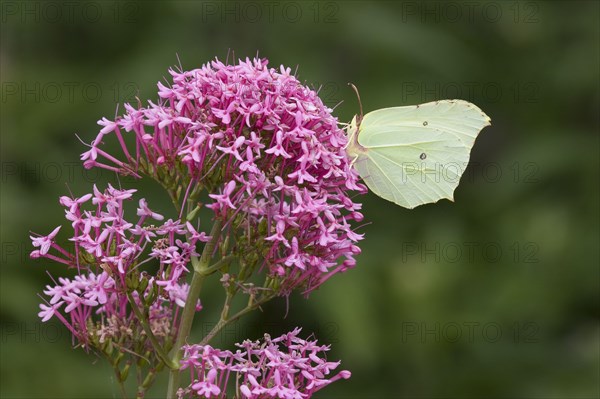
495,295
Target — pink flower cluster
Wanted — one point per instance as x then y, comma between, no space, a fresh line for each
108,249
263,153
89,295
269,153
286,367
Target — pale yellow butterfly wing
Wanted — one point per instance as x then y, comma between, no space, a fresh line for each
415,155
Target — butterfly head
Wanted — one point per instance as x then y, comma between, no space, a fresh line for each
353,148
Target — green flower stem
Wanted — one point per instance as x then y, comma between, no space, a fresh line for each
117,371
155,344
121,383
224,320
143,386
213,268
174,200
189,310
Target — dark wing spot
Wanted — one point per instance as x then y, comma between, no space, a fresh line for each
423,156
425,123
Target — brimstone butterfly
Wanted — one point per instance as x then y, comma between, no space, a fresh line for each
415,155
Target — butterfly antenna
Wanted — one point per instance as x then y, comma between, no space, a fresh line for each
359,102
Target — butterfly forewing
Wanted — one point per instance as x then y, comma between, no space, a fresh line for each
416,155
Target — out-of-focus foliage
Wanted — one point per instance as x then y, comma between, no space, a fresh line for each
495,295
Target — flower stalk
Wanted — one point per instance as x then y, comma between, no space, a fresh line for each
187,317
155,344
